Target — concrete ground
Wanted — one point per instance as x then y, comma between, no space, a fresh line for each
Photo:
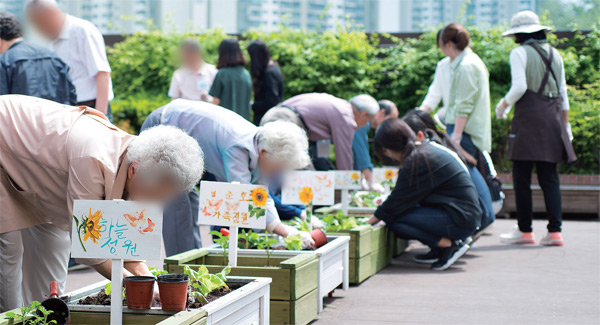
493,284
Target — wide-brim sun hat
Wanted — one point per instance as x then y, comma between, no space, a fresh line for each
525,22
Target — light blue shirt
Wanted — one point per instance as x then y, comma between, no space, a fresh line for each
360,148
227,140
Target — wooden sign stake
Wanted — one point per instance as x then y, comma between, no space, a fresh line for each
116,294
233,240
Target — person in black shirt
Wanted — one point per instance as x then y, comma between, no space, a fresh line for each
434,200
267,79
28,69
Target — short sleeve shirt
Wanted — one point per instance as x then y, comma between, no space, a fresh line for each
233,87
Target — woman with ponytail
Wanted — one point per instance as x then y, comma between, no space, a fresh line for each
434,200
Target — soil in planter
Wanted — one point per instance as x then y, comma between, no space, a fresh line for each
214,295
101,299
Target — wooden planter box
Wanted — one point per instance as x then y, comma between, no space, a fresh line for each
369,251
294,290
246,305
333,263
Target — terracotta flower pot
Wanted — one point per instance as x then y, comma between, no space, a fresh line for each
319,237
173,291
139,291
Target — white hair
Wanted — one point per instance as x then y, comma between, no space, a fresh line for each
31,4
284,142
168,150
365,103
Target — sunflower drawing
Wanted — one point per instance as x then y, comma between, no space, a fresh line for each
259,197
306,195
89,227
389,174
355,176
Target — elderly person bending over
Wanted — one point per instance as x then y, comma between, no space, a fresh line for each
237,151
52,154
327,119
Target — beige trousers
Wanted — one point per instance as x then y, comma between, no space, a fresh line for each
29,260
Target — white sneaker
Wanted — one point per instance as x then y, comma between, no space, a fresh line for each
552,239
518,237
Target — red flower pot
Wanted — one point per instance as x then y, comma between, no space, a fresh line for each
173,291
319,237
139,291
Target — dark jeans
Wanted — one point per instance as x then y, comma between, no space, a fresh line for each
548,179
181,230
485,198
428,225
466,142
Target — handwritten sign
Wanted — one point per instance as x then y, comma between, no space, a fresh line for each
385,175
235,205
116,230
347,180
305,187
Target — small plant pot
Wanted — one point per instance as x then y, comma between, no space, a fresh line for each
139,291
319,237
173,291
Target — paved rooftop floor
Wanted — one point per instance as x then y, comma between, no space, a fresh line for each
493,284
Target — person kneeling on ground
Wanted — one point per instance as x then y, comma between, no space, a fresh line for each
434,200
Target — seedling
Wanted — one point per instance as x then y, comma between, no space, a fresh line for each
29,315
108,289
156,272
223,240
338,222
299,224
202,282
294,242
265,242
247,239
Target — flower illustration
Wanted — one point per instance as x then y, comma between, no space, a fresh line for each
389,174
92,226
259,196
355,176
306,195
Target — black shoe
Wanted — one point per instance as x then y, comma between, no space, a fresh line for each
449,255
431,257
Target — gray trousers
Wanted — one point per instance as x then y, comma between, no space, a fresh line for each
29,260
181,231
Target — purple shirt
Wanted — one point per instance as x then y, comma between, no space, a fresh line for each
328,118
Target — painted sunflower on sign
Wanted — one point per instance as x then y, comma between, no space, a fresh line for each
92,226
389,174
259,197
89,227
355,176
306,195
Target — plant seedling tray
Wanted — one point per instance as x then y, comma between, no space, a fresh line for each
294,290
333,263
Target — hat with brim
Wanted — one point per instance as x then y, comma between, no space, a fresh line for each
525,22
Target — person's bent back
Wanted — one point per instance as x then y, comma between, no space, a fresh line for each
28,69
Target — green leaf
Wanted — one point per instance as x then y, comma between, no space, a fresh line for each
108,288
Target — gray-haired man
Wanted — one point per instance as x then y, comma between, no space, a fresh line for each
327,119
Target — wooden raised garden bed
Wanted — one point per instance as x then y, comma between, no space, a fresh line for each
245,305
294,290
333,263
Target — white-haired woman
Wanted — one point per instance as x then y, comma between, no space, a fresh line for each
53,154
236,151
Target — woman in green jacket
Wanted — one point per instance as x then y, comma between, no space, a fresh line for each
468,113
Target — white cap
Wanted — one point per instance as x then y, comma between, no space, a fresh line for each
525,22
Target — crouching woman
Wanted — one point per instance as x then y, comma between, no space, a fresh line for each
434,200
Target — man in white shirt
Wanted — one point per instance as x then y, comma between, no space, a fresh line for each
79,43
194,79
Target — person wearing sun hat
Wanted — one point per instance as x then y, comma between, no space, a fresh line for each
540,133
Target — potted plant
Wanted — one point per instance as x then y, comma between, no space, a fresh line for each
173,290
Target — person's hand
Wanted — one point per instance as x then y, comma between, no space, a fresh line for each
303,215
424,108
456,138
373,220
316,223
502,109
377,188
156,299
569,131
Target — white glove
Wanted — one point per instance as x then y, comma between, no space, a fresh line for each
377,188
307,241
316,222
569,132
502,112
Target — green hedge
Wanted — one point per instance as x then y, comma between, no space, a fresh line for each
348,62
